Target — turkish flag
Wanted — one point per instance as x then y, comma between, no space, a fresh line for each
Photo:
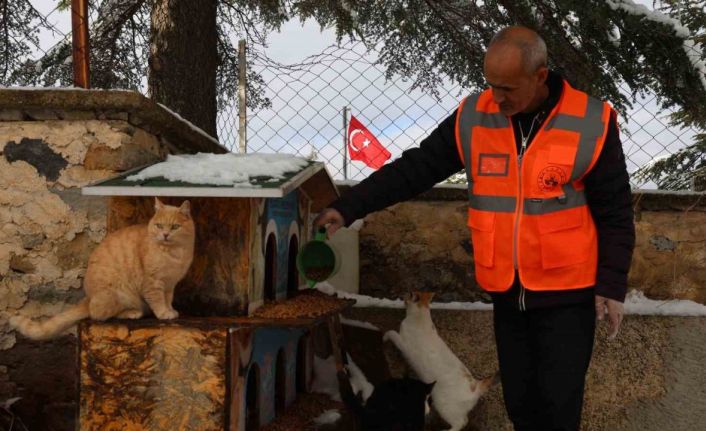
363,146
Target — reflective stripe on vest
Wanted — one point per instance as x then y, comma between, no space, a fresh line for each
549,236
589,127
469,118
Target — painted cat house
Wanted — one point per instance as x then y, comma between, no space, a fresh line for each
251,214
217,367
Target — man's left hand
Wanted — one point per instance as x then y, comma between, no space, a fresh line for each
615,311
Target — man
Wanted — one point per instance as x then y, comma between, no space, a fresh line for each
550,216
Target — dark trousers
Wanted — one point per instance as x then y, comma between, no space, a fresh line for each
544,355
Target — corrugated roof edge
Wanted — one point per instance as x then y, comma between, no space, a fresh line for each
141,112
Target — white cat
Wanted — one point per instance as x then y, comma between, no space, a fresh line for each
456,391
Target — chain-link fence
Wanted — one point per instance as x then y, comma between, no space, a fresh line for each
41,31
307,102
306,114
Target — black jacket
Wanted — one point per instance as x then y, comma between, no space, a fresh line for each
607,192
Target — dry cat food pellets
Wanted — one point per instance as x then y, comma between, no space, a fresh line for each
318,274
307,304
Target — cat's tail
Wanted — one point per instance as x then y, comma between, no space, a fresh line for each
53,326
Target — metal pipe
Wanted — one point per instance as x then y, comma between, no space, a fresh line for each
242,109
79,35
345,142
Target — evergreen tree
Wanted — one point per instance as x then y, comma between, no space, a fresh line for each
598,45
686,168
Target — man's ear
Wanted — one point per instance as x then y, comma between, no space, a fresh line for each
542,73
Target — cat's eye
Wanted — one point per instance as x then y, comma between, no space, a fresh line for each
159,225
175,226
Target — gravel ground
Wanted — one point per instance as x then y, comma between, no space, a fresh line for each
652,377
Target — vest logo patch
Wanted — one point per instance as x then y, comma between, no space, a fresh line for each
550,178
493,165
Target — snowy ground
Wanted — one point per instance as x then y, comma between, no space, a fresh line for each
661,364
635,303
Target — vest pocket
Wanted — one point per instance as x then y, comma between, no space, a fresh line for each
563,238
482,225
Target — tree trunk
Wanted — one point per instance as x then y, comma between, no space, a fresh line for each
183,59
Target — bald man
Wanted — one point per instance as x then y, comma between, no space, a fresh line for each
550,217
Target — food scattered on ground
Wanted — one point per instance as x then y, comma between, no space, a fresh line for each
301,414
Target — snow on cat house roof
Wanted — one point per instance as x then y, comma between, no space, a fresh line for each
224,175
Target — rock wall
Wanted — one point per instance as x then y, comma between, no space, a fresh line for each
424,244
51,144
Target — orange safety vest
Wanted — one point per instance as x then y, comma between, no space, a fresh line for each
530,215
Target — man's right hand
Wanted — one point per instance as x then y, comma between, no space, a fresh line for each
331,218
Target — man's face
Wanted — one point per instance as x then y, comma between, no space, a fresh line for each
514,88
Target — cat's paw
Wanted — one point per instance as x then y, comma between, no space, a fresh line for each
130,314
389,336
167,315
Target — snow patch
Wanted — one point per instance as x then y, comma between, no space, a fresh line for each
358,324
692,49
635,303
327,417
190,124
229,169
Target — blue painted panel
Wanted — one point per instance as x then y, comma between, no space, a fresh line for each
283,211
267,342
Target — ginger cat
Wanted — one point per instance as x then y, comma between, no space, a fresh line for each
456,391
133,270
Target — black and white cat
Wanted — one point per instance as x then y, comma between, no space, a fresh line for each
456,391
394,405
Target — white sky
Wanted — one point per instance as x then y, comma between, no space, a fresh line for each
307,106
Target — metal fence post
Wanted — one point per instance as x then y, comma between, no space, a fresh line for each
242,109
345,142
79,35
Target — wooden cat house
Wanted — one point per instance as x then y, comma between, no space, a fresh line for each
229,362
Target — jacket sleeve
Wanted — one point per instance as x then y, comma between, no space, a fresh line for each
610,201
415,171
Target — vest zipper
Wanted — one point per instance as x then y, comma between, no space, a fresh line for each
518,212
515,239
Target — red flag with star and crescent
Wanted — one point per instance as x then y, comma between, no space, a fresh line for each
365,147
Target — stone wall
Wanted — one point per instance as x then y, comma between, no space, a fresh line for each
424,244
51,144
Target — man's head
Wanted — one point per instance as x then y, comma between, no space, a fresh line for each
515,67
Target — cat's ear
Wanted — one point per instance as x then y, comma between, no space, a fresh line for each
430,386
158,205
411,298
185,208
425,298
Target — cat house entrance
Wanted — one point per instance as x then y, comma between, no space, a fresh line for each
252,397
301,364
292,273
280,383
270,268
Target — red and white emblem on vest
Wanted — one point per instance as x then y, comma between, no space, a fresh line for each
550,178
493,165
